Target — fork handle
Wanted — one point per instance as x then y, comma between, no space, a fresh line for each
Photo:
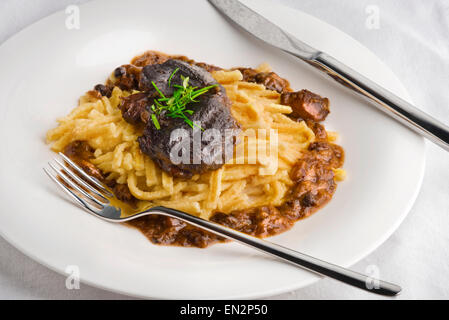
299,259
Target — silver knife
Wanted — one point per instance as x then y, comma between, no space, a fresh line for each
383,99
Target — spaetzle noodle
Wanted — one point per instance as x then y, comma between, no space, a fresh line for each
244,182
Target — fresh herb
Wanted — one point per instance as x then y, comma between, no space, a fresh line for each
171,76
176,105
156,123
157,89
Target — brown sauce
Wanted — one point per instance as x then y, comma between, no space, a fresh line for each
313,175
127,75
314,187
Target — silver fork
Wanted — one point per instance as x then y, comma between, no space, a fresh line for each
91,194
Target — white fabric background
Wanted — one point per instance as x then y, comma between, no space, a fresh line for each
413,39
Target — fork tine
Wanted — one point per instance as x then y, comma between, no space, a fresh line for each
72,184
85,175
80,181
77,199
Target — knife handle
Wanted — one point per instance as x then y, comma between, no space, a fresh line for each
386,101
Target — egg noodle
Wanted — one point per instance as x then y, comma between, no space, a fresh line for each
245,182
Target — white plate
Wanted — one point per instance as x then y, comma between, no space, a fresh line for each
45,68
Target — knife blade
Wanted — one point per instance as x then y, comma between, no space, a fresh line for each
392,105
262,28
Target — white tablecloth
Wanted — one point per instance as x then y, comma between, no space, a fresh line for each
412,37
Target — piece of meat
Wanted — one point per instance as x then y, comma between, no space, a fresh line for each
208,67
321,156
127,77
292,209
155,57
160,74
329,153
306,105
79,149
270,80
122,192
205,66
103,90
80,152
169,231
150,57
258,221
249,74
314,178
314,175
318,129
211,111
90,169
135,108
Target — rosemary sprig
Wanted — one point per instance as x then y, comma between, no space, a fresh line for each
176,105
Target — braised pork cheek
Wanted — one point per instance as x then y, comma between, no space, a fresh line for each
210,111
